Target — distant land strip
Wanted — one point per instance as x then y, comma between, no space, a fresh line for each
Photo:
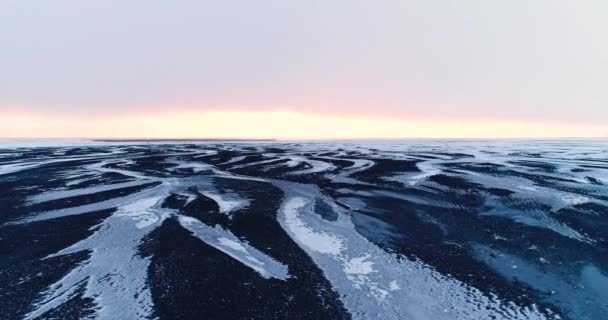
180,140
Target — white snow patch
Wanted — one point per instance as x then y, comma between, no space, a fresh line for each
60,194
316,166
527,188
319,242
365,275
235,159
574,199
225,202
115,274
239,250
359,265
231,244
393,286
141,211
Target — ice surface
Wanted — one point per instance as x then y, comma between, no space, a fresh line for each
114,275
239,250
60,194
226,202
315,241
370,280
523,216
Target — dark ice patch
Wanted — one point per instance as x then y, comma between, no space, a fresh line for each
325,210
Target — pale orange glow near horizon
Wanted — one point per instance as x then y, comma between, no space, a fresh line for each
342,69
277,125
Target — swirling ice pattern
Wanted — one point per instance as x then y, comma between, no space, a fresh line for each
324,230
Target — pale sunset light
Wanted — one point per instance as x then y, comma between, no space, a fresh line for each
304,69
283,124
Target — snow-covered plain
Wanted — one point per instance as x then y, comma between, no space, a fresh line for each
372,229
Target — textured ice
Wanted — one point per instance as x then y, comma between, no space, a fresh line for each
227,203
315,166
369,279
564,289
114,275
361,265
535,217
315,241
235,159
102,205
225,241
482,229
60,194
8,168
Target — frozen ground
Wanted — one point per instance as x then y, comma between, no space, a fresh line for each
304,230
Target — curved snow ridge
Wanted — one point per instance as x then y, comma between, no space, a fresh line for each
9,168
358,165
527,189
374,284
315,241
60,194
101,167
233,160
344,176
236,248
97,206
255,163
227,203
196,167
427,168
316,166
291,161
535,218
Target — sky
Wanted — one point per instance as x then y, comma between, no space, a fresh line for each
304,69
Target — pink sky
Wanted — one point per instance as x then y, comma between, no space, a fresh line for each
356,68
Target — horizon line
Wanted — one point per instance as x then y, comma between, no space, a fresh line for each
211,139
